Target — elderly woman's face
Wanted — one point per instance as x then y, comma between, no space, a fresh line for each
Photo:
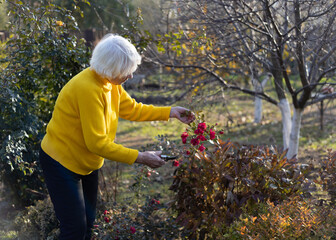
120,80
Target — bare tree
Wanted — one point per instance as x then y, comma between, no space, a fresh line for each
294,41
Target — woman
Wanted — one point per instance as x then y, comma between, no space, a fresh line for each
82,129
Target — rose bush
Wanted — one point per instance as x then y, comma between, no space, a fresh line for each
216,179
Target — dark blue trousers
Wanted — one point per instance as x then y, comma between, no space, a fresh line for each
74,197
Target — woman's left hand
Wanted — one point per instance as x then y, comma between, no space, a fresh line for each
182,114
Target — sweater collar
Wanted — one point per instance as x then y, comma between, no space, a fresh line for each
104,81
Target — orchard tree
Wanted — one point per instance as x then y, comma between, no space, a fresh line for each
293,41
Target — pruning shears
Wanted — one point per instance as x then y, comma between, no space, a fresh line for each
168,157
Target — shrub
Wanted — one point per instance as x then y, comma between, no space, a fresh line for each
217,179
38,222
328,176
147,221
292,219
42,54
19,137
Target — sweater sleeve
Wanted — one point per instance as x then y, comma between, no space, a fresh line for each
96,138
134,111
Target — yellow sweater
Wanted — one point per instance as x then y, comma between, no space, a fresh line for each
82,129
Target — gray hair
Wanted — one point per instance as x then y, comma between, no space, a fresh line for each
114,56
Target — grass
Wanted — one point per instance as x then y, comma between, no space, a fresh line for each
131,134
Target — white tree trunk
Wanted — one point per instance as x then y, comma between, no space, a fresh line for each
295,134
257,110
258,87
286,121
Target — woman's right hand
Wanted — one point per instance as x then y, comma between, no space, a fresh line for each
151,159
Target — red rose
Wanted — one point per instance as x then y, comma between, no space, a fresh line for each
107,219
198,131
154,201
184,137
201,138
201,148
106,212
221,132
176,163
188,152
212,134
133,230
194,141
202,126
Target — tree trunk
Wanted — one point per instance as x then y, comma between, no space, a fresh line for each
258,87
257,110
283,102
295,133
286,121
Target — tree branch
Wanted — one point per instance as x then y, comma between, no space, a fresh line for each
321,98
261,95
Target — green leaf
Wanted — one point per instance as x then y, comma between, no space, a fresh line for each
161,49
